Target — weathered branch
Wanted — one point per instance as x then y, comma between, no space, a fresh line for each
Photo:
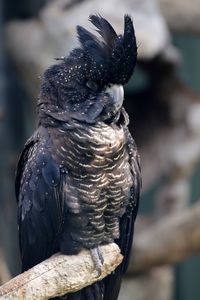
168,241
59,275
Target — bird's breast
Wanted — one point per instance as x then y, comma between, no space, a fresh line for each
88,148
99,178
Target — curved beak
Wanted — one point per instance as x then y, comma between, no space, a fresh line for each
117,94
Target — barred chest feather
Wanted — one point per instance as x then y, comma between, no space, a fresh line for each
99,179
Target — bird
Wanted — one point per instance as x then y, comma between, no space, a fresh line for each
78,178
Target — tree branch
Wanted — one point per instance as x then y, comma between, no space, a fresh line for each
168,241
60,274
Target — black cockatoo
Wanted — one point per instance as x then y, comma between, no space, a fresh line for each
78,178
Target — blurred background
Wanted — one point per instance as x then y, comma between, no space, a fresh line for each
163,102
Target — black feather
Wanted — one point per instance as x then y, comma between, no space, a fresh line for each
130,46
105,30
51,173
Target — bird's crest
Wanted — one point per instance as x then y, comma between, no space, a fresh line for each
111,59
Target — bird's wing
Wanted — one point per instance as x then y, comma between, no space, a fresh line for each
128,219
113,281
40,207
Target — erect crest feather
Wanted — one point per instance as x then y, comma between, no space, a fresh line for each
104,29
114,56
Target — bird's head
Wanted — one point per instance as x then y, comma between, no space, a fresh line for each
88,84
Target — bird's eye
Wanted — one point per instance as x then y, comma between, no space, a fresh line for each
92,85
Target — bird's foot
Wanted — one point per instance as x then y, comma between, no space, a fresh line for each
97,259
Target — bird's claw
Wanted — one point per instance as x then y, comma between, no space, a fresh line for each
97,259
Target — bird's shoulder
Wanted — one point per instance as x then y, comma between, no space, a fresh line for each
36,167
